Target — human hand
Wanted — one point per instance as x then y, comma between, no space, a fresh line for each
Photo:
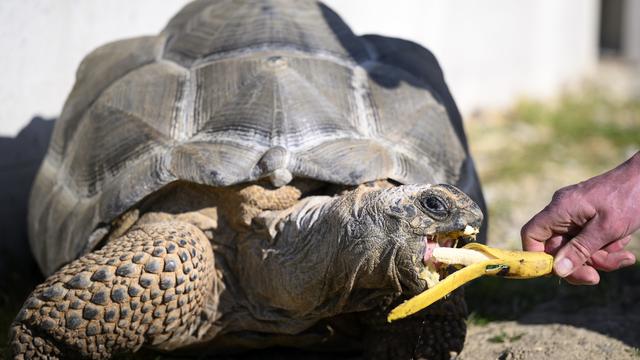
587,225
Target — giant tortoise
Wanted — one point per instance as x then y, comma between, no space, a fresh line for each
254,176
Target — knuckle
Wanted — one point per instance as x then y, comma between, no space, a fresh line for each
566,193
583,251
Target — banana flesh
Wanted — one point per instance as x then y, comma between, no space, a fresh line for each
479,260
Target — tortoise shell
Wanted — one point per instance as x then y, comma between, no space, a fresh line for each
232,92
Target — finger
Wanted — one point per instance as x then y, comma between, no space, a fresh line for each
609,261
537,230
583,275
577,251
532,245
554,244
618,244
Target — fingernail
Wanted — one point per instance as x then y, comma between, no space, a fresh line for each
627,262
563,267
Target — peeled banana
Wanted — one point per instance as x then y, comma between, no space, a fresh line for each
478,260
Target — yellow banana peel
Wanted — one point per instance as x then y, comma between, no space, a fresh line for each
480,260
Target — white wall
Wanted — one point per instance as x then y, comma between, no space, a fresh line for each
492,51
631,30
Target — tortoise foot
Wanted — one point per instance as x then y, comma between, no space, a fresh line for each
148,287
437,332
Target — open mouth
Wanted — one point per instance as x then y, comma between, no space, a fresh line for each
434,271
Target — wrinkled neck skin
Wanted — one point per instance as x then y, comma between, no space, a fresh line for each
325,256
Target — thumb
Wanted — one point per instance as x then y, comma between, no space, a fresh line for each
577,251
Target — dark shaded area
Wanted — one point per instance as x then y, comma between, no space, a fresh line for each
610,308
611,23
20,158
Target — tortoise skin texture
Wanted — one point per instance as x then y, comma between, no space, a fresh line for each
294,93
149,286
245,179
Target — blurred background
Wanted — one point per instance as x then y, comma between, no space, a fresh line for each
549,90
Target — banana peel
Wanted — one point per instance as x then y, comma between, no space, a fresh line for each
479,260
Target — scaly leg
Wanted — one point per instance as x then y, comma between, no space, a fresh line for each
149,287
437,332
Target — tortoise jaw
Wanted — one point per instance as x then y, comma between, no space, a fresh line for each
434,271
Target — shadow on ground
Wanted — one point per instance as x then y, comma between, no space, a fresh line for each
610,308
20,158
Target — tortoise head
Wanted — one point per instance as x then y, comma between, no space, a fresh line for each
342,254
403,225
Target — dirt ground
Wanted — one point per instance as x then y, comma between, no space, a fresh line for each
548,319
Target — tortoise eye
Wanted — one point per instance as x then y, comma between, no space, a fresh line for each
434,205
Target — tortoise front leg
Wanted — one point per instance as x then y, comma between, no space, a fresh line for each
437,332
149,287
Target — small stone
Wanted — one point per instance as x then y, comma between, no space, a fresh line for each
80,281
